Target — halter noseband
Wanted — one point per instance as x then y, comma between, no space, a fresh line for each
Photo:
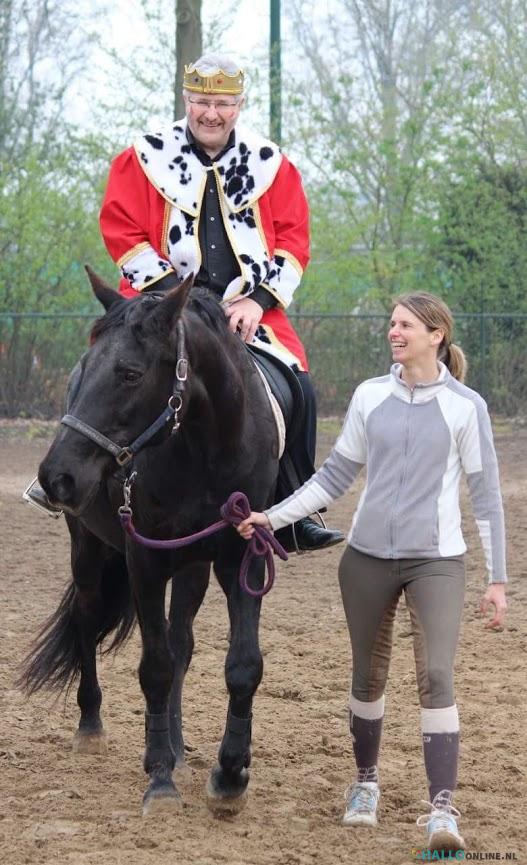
123,455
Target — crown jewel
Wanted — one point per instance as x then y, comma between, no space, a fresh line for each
218,82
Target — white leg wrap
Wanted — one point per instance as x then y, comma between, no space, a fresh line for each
440,720
369,711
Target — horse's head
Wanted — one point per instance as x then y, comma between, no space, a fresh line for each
119,387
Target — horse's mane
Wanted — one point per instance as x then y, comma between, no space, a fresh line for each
208,308
201,302
117,315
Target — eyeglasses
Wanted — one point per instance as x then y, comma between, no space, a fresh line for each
218,104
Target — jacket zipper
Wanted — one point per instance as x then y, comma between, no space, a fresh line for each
402,477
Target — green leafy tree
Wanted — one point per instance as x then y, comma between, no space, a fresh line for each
373,123
480,247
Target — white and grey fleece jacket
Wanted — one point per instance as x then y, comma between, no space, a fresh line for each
415,443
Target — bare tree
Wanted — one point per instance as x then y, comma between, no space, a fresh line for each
376,114
44,46
188,45
496,108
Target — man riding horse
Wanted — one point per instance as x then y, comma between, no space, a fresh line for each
208,196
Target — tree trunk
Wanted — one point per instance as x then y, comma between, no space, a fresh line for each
188,45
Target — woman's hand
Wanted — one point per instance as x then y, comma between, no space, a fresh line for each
246,527
244,316
494,596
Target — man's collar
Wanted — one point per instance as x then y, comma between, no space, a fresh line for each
203,157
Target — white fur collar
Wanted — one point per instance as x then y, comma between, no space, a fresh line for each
245,170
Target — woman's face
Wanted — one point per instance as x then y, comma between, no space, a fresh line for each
410,339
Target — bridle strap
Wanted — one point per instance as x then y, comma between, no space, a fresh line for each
91,433
123,455
154,428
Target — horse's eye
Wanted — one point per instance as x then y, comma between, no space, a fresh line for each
132,375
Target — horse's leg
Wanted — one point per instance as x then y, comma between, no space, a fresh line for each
227,786
188,590
87,562
156,672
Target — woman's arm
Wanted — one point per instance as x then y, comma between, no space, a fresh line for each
332,479
479,461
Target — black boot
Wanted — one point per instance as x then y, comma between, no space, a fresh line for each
306,535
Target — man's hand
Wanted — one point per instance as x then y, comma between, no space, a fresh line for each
494,596
244,316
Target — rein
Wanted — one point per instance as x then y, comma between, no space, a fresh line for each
235,509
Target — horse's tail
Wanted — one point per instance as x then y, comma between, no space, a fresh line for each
54,661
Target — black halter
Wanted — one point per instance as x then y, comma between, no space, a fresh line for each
123,455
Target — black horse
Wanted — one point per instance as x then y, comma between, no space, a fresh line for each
223,439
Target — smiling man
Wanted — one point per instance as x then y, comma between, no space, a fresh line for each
209,196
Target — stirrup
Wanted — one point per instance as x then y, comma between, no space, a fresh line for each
35,495
321,518
297,549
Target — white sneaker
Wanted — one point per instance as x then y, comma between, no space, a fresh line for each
362,799
441,824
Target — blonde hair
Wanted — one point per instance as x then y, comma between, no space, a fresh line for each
435,315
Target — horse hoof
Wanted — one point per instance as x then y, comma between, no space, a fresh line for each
90,743
163,799
227,794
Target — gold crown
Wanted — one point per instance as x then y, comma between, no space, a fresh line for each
219,82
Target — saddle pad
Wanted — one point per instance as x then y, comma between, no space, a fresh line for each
285,387
277,412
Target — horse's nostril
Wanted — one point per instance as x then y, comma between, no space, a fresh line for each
61,489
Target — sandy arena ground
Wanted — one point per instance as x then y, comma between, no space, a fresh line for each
72,810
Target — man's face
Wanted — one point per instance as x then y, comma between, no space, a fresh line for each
211,118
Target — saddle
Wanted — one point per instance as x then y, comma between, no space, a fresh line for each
295,465
285,388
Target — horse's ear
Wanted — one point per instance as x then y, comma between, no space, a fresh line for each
173,303
102,291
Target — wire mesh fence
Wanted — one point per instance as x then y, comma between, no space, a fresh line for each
38,350
346,349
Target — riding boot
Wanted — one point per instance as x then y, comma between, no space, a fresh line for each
296,467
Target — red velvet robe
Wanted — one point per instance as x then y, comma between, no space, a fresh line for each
150,215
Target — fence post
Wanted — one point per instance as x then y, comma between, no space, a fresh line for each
483,356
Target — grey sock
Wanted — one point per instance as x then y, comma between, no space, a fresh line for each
366,737
441,751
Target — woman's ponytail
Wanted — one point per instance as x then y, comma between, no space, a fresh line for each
454,359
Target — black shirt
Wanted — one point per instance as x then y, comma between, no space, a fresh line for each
218,262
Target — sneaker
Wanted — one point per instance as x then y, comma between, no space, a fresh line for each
362,799
441,824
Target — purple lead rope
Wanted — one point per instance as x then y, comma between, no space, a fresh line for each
235,509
